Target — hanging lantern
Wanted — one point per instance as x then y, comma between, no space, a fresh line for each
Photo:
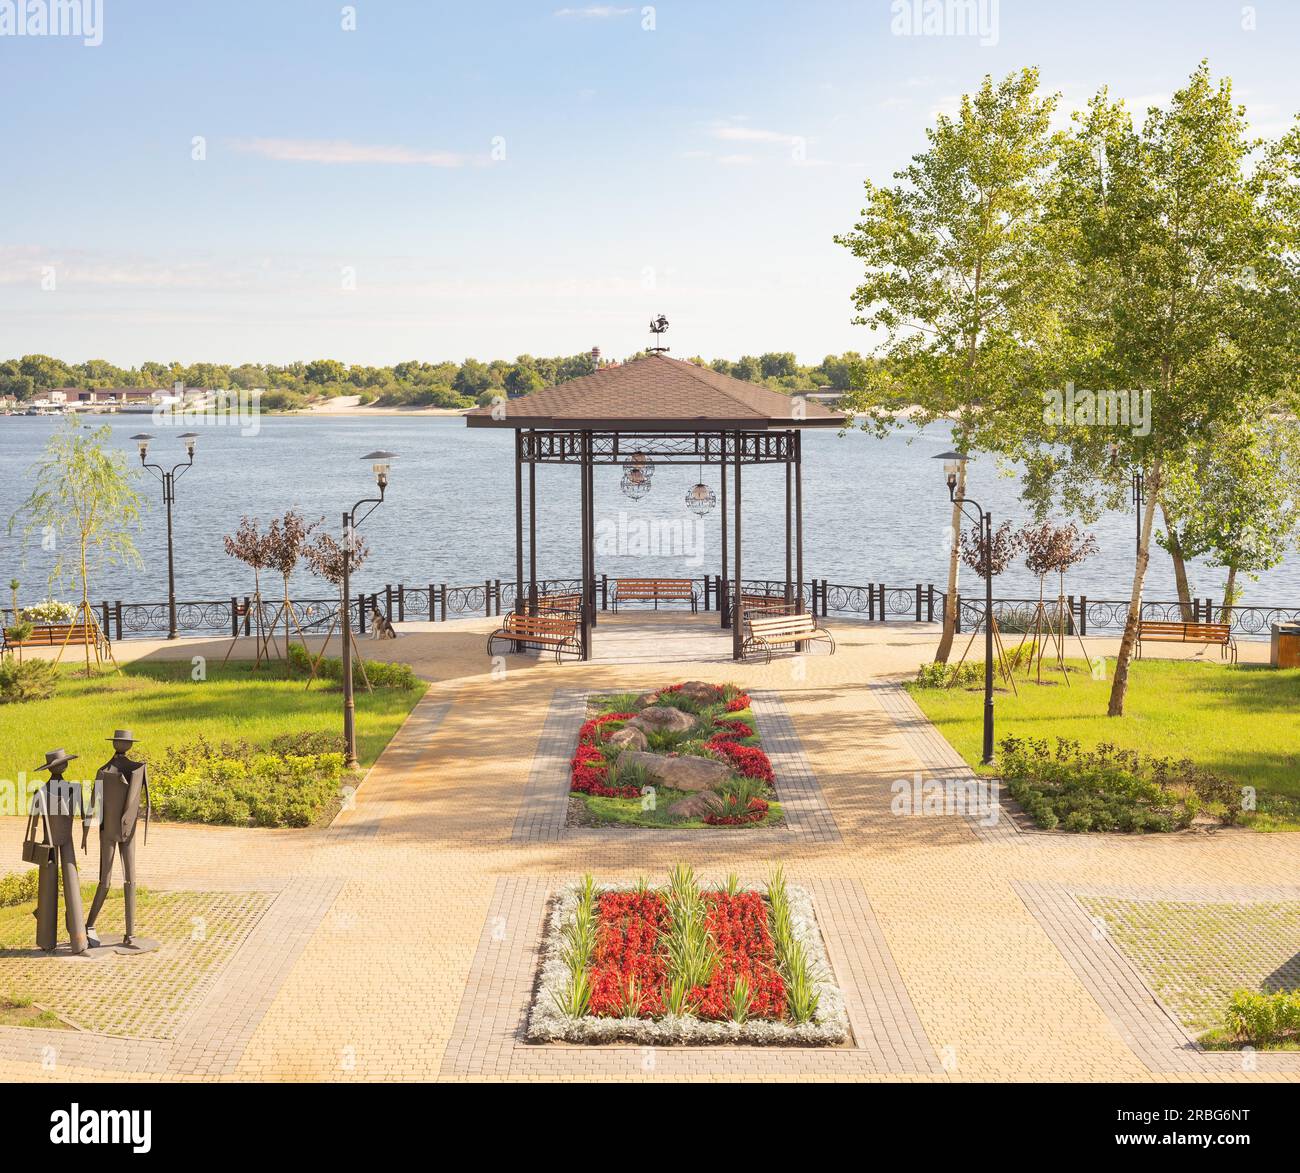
700,499
639,462
636,483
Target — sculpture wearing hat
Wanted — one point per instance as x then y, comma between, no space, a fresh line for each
115,805
55,805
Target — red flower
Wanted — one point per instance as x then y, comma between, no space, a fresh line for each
747,760
738,703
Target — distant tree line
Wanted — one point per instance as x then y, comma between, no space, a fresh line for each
414,384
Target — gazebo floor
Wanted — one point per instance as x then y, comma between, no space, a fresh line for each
638,636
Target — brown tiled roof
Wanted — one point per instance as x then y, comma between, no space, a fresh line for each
656,393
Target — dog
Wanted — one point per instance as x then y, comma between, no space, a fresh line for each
380,628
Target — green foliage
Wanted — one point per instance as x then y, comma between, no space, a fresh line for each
287,783
962,675
18,888
1109,789
26,680
380,673
1264,1019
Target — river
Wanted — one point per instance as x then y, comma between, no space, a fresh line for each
875,510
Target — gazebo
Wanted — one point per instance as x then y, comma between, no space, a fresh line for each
661,410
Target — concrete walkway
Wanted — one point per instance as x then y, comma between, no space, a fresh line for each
401,942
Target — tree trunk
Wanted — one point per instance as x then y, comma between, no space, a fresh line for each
950,611
1180,567
1119,686
84,617
1229,595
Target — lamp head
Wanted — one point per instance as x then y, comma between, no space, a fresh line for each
953,462
142,439
189,439
380,462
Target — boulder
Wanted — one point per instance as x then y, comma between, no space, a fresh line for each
645,700
696,806
662,719
701,693
628,737
677,773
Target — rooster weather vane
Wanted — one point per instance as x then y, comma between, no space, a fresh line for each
657,327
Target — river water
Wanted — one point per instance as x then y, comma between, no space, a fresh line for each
875,510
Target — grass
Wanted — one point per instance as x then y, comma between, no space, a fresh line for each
23,1012
604,812
163,706
1241,721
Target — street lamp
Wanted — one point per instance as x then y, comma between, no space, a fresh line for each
1138,491
168,477
953,463
379,464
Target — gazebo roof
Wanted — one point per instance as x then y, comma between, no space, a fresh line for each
656,394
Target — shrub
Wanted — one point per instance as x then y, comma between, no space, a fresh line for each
285,783
20,888
26,680
1264,1018
380,673
50,611
1107,789
949,675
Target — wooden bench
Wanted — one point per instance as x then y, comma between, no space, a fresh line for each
54,635
1159,631
764,632
655,590
555,631
565,604
769,604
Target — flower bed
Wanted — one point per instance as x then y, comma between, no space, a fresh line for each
612,787
685,964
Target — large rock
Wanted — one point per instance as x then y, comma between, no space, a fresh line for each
629,737
700,693
662,719
696,806
677,773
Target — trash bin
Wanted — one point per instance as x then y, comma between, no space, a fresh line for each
1284,645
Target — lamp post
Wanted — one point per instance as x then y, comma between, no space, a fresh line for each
379,462
952,466
1138,491
168,477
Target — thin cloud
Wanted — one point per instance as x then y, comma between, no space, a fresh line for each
307,150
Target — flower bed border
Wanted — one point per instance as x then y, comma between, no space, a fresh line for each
546,1024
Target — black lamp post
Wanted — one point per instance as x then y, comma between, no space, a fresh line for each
1138,492
168,477
952,465
380,464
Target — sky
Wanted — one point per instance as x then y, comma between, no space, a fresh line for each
248,181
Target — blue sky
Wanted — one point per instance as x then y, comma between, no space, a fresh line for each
698,168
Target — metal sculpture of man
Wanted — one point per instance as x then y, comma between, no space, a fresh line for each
115,806
54,806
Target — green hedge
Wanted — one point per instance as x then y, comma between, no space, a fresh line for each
380,673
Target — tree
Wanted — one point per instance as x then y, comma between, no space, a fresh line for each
747,367
958,276
1181,242
249,545
522,378
286,542
778,366
325,370
1238,496
82,489
472,378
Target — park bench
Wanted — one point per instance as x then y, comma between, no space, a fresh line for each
555,631
1159,631
560,604
54,635
764,632
768,604
655,590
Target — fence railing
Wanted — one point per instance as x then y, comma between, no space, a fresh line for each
874,602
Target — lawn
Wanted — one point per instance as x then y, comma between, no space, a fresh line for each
164,707
1242,721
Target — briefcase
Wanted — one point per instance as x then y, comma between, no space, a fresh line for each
38,853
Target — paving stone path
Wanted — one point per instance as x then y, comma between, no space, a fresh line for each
400,943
